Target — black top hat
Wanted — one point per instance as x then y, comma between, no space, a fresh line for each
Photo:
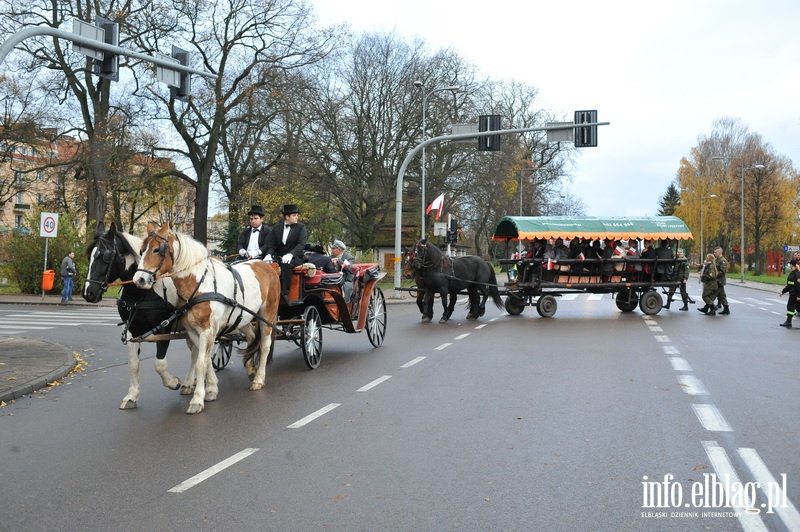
257,210
290,209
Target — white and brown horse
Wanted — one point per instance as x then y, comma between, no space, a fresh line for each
214,299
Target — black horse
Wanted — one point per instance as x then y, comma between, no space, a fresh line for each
115,255
440,274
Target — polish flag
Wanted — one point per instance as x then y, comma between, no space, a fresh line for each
549,265
436,205
581,256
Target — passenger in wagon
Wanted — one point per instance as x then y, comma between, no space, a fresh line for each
315,254
344,260
632,254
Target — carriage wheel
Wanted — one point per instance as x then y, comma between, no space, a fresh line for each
514,305
546,306
651,302
221,354
627,300
311,337
376,318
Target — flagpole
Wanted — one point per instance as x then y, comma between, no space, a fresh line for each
448,228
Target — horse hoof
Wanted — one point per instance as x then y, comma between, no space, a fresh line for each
426,319
211,396
175,385
128,405
187,390
472,317
256,386
194,409
443,320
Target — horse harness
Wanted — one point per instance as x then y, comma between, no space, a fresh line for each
445,267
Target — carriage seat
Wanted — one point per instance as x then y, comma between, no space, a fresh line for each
321,279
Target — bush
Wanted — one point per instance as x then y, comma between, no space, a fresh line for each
22,254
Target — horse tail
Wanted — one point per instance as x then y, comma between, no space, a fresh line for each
252,346
493,291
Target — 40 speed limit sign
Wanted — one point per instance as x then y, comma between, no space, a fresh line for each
48,226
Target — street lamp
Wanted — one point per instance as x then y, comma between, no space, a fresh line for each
702,227
419,85
741,251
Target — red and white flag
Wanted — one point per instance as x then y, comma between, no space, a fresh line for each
549,265
581,257
436,205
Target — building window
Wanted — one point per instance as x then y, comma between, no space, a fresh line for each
20,197
19,178
40,198
39,175
18,220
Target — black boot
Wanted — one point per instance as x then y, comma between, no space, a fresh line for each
725,310
669,302
712,311
684,307
704,309
787,323
691,301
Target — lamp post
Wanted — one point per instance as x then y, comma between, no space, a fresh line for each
702,227
741,251
425,95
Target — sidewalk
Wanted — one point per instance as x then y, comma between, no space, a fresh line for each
28,364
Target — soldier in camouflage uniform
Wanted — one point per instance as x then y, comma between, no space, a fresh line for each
708,276
722,271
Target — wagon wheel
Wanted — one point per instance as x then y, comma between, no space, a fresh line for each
376,317
311,337
651,302
514,305
627,300
221,354
546,306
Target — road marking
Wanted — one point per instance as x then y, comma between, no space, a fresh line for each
311,417
448,344
757,301
15,325
594,297
680,364
211,471
412,362
374,383
781,503
656,328
661,339
462,336
692,385
722,465
711,418
482,325
569,297
670,350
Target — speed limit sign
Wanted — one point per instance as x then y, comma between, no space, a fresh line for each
48,226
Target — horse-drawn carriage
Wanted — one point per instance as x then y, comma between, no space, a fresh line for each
633,281
179,292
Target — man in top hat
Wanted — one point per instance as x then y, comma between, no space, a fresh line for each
285,242
253,240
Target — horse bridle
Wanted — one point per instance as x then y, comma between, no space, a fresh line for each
109,257
163,249
420,257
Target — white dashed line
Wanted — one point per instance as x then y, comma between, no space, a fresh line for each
692,385
661,339
443,346
311,417
374,383
412,362
680,364
211,471
481,326
711,418
462,336
670,350
775,494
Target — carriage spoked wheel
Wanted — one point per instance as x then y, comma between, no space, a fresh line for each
514,305
651,302
546,306
311,337
376,317
627,300
221,354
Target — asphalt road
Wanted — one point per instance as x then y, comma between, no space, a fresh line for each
509,423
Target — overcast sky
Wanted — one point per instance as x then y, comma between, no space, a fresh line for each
660,73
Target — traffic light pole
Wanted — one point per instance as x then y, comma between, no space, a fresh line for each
398,217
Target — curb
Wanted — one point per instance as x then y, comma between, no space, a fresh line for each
39,382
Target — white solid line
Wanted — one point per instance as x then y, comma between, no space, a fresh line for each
719,461
670,350
711,418
11,332
461,336
788,513
311,417
374,383
692,385
15,325
211,471
482,325
680,364
661,339
448,344
412,362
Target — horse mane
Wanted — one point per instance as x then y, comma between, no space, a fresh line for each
131,244
433,252
187,252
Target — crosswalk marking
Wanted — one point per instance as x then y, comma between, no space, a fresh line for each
39,320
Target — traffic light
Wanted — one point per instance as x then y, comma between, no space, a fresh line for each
185,89
489,123
585,137
452,232
109,67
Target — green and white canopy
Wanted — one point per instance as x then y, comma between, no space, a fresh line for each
591,228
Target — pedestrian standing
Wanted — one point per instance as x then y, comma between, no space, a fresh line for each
793,289
708,276
681,276
722,272
68,274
